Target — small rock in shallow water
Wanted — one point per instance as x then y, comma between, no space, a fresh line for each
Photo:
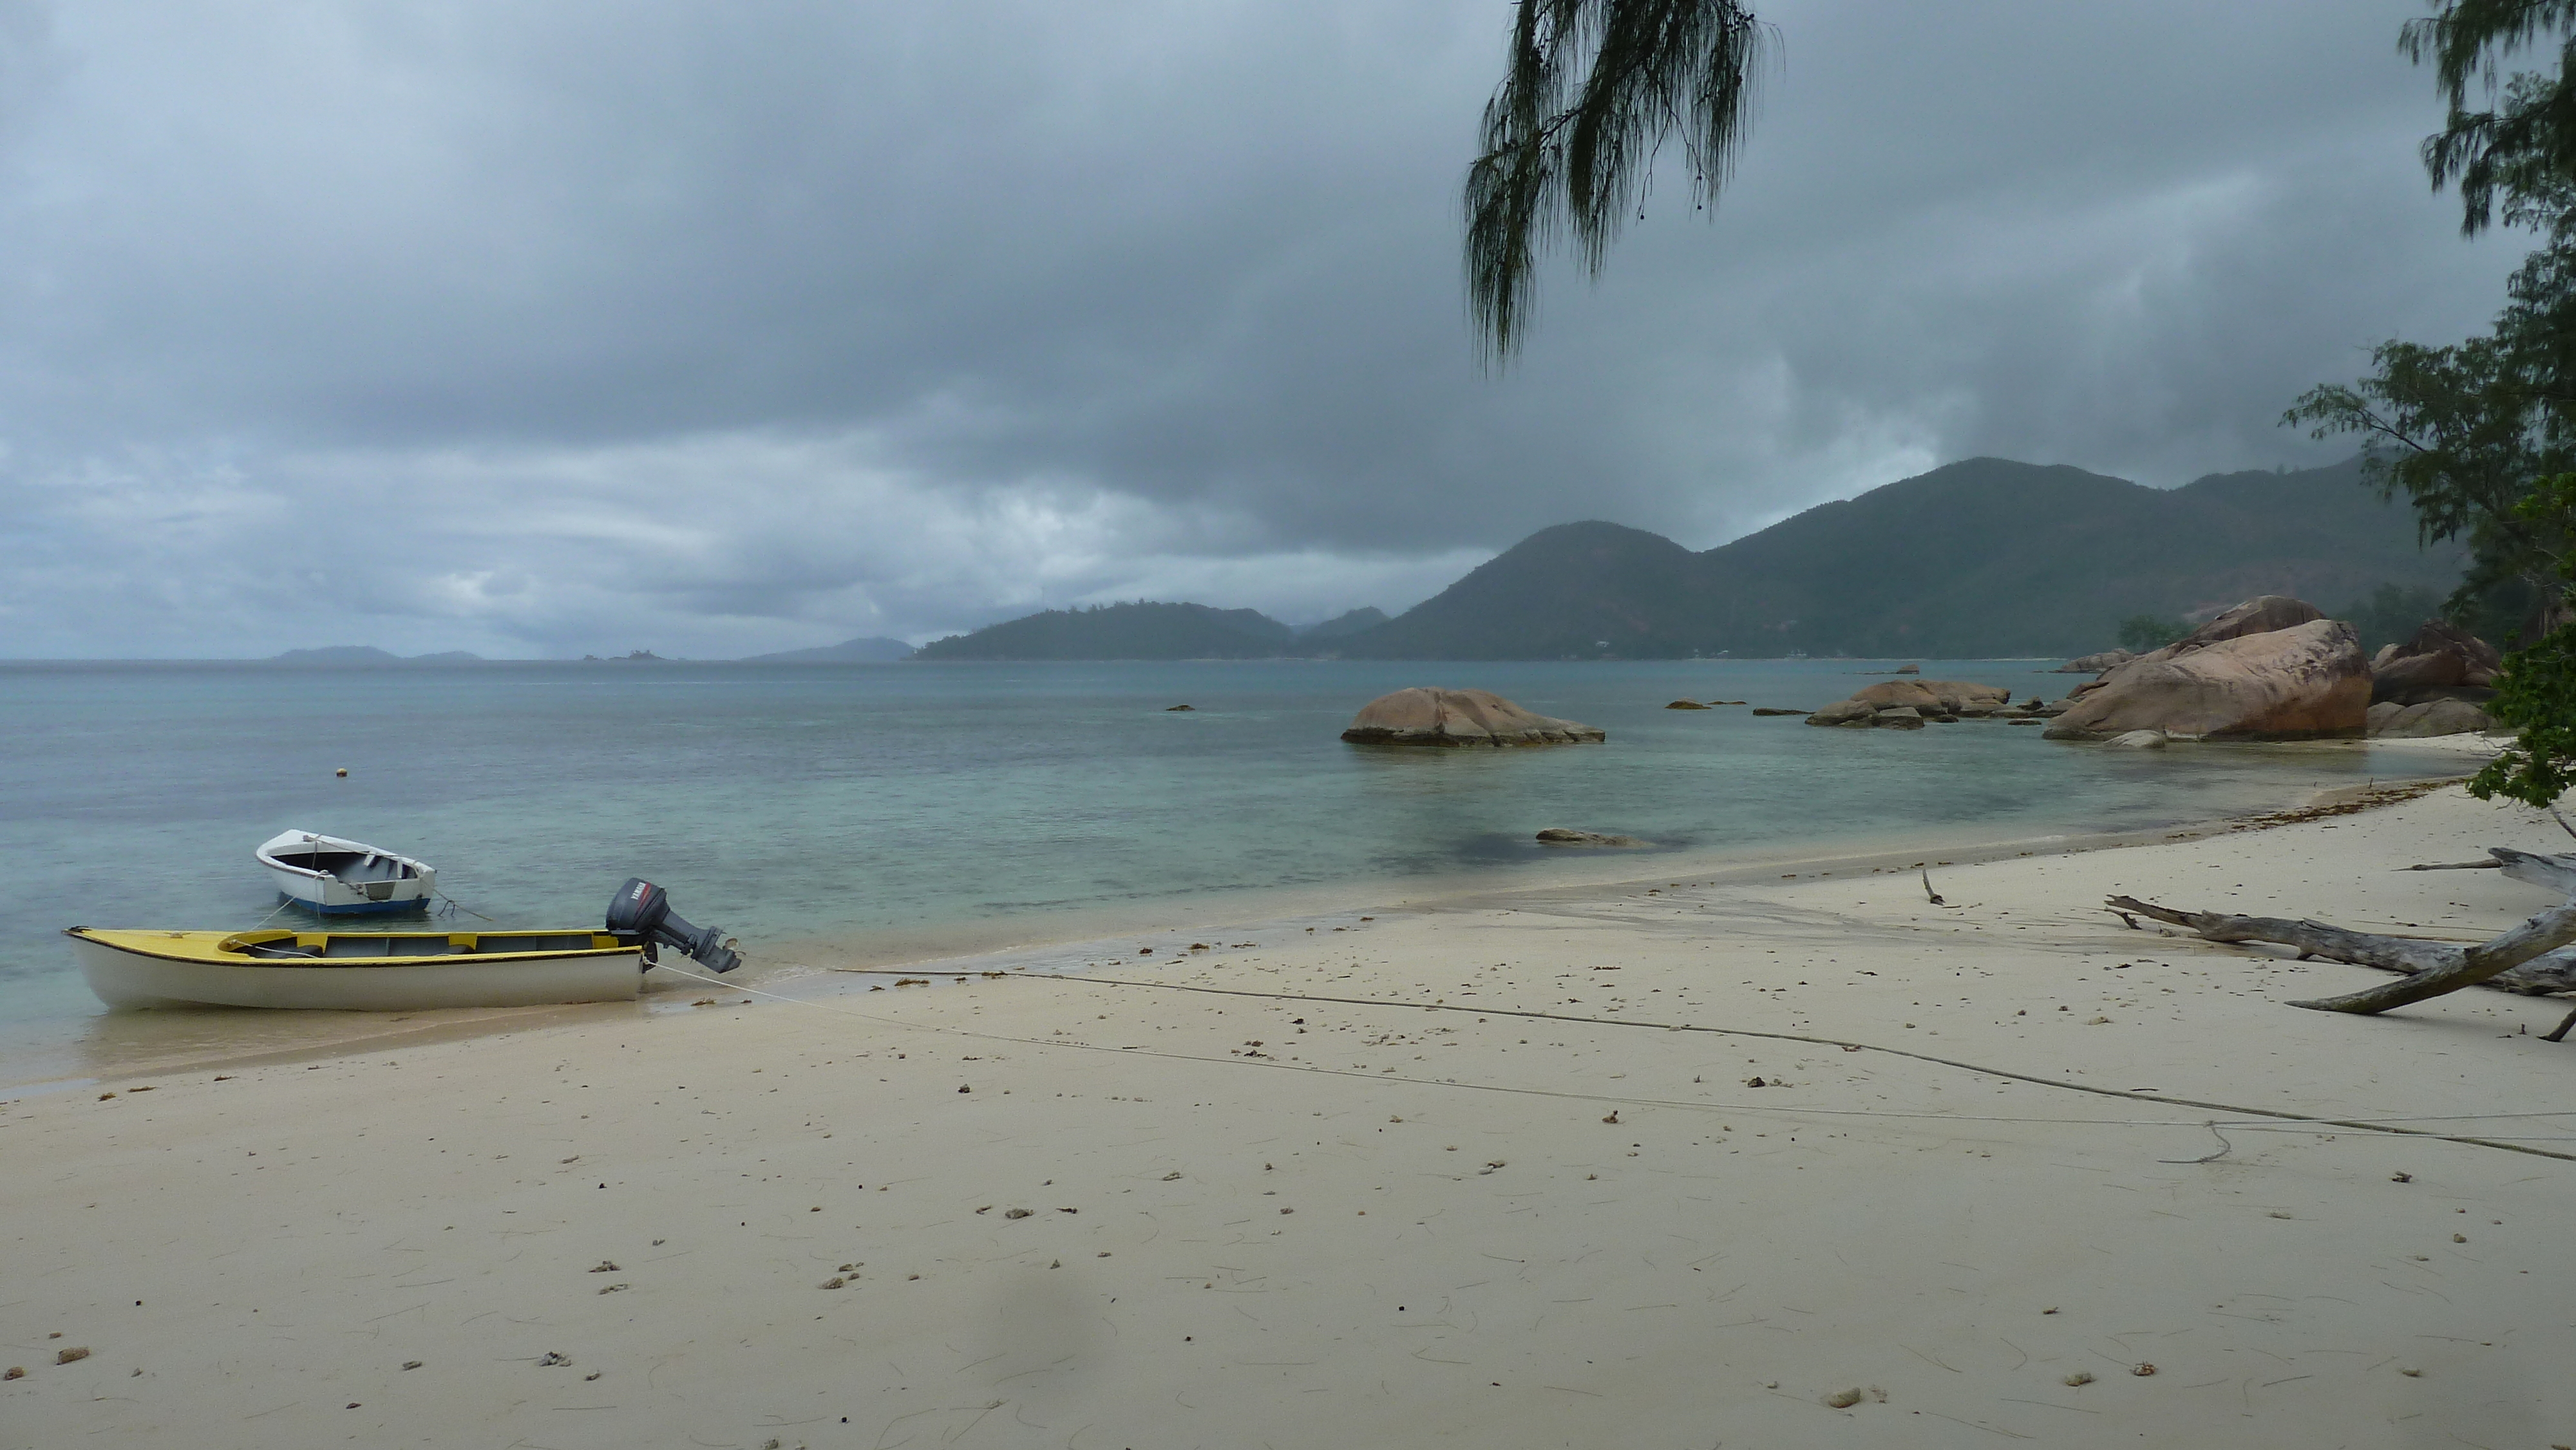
68,1355
1561,836
1017,1213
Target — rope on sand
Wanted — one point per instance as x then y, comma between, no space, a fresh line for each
2250,1115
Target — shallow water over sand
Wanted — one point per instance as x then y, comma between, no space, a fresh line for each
877,813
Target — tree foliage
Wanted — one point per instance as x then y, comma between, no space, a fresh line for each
2140,633
2464,431
2481,436
2536,693
2524,142
2390,614
1592,90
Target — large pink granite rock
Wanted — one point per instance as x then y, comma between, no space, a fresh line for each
1426,715
2094,664
2297,683
2438,656
2262,614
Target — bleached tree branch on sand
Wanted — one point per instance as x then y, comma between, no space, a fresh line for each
2532,958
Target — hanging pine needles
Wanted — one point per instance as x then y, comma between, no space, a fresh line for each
1593,90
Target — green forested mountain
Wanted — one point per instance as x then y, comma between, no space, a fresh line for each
1367,616
1980,558
1976,559
1139,631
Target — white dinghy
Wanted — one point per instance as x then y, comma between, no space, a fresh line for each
332,877
397,971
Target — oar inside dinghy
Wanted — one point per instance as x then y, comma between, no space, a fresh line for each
640,913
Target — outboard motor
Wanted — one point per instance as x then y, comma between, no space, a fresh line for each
641,912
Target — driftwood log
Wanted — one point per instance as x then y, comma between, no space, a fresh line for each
2556,874
2533,958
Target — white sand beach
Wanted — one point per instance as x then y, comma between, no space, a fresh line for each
1105,1211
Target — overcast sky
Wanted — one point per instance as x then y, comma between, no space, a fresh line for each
718,328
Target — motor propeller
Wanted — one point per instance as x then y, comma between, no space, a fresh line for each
641,912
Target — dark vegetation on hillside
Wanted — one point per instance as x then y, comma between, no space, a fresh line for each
1981,558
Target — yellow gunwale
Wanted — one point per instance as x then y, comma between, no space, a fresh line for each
225,949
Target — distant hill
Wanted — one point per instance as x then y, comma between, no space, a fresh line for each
1981,558
873,650
1139,631
1367,616
364,656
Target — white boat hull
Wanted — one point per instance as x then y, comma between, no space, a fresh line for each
356,880
129,978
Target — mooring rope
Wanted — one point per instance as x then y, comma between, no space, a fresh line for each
2253,1117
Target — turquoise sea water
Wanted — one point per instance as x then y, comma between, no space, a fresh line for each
896,808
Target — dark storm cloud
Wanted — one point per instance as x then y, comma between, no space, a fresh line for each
728,328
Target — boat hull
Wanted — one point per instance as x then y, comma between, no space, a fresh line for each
129,974
412,905
333,877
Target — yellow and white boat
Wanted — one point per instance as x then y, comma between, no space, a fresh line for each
356,971
401,971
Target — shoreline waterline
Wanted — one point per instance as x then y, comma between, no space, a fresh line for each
143,1045
1886,1160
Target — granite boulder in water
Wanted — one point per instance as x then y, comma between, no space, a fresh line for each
2272,668
1906,704
1427,715
1561,836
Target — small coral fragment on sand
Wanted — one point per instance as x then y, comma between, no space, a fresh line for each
1844,1399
